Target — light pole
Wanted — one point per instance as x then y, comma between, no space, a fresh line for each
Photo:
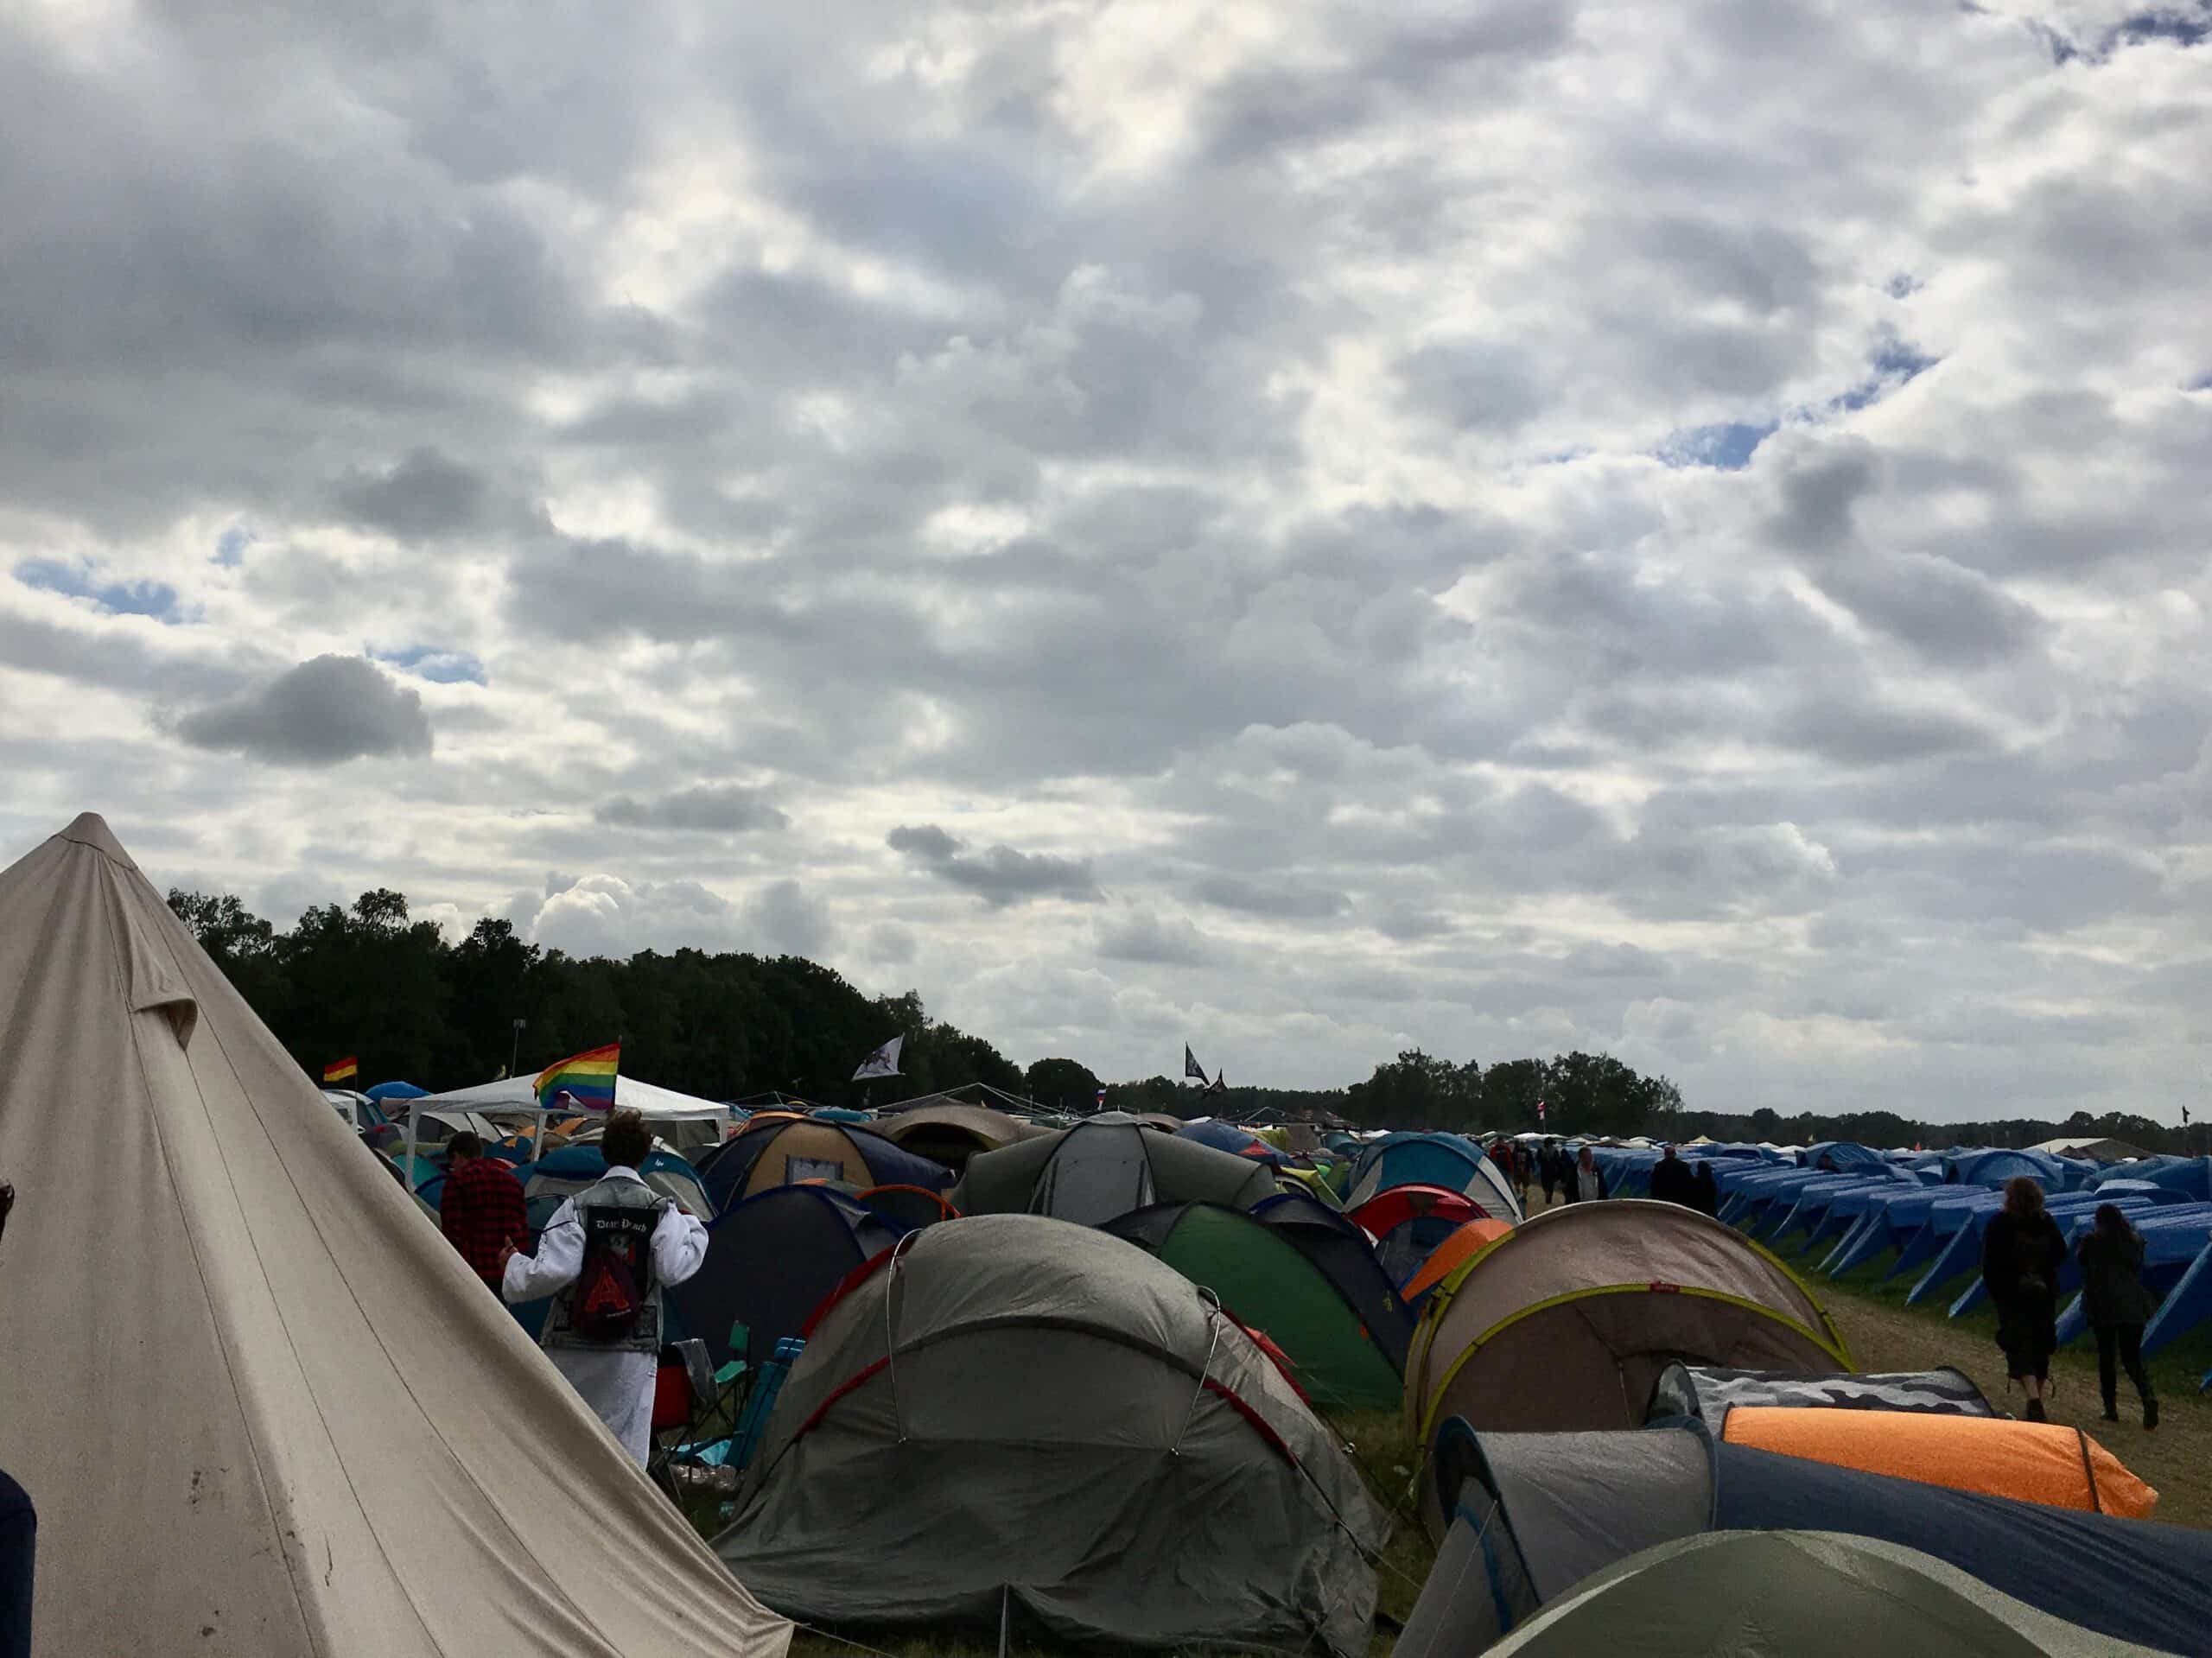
514,1053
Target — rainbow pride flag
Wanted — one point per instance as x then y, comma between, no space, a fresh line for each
587,1078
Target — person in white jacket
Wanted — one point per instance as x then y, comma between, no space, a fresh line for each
658,1242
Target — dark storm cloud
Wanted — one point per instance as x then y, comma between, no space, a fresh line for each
322,712
1946,613
999,874
717,808
421,498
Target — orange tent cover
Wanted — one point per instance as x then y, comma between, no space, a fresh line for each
2033,1461
1475,1236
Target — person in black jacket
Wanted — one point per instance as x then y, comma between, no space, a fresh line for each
2022,1250
1708,1190
1672,1181
2118,1306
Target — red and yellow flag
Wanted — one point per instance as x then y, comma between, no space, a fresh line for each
339,1070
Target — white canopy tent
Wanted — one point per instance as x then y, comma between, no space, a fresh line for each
261,1407
655,1105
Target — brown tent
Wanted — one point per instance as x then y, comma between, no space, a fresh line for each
950,1132
1567,1322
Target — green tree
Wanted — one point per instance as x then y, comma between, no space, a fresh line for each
1061,1082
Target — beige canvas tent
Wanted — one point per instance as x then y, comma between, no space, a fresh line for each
261,1406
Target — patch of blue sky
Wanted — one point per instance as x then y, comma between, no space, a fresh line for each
230,545
1728,447
440,667
156,599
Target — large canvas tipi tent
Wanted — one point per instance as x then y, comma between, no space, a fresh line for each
262,1406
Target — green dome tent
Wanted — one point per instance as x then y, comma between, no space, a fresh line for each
1793,1594
1266,1283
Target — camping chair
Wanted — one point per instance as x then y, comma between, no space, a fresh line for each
684,1387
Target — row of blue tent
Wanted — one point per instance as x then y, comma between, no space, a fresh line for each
1846,1206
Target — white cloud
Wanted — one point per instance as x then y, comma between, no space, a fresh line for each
1303,525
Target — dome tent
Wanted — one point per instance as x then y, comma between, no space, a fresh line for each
1408,1223
789,1151
1598,1299
274,1412
1797,1594
771,1260
1432,1159
1008,1413
1346,1255
1097,1170
1265,1283
1535,1513
950,1132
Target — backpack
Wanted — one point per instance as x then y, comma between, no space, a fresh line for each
615,1282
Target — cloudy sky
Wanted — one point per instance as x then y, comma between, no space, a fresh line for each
1676,526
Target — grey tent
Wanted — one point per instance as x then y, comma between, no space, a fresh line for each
1795,1594
1709,1393
1010,1412
261,1406
1099,1170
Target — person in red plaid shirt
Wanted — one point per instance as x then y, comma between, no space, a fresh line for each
482,1211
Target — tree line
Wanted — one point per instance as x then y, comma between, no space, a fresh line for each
367,980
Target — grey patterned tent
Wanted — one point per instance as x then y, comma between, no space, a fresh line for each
1709,1393
1099,1170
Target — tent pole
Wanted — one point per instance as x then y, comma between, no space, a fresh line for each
413,1120
537,1139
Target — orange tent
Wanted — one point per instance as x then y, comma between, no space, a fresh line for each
1473,1236
2033,1461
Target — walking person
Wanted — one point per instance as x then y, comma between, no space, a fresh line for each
1547,1164
605,1257
2022,1251
2118,1305
1584,1182
1707,1199
480,1207
1672,1181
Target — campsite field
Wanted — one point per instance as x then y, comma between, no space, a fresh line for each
1884,1334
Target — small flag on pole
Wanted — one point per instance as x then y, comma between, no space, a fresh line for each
1101,1099
339,1070
1190,1065
587,1078
884,1062
1539,1110
1219,1085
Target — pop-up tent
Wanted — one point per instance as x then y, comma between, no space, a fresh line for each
1449,1256
1266,1284
1009,1418
1099,1169
271,1411
1409,1222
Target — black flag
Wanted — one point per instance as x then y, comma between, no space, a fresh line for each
1217,1086
1190,1065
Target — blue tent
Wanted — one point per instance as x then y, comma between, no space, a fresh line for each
1994,1168
771,1260
1842,1154
2187,1176
1227,1137
384,1091
1450,1161
2174,1250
